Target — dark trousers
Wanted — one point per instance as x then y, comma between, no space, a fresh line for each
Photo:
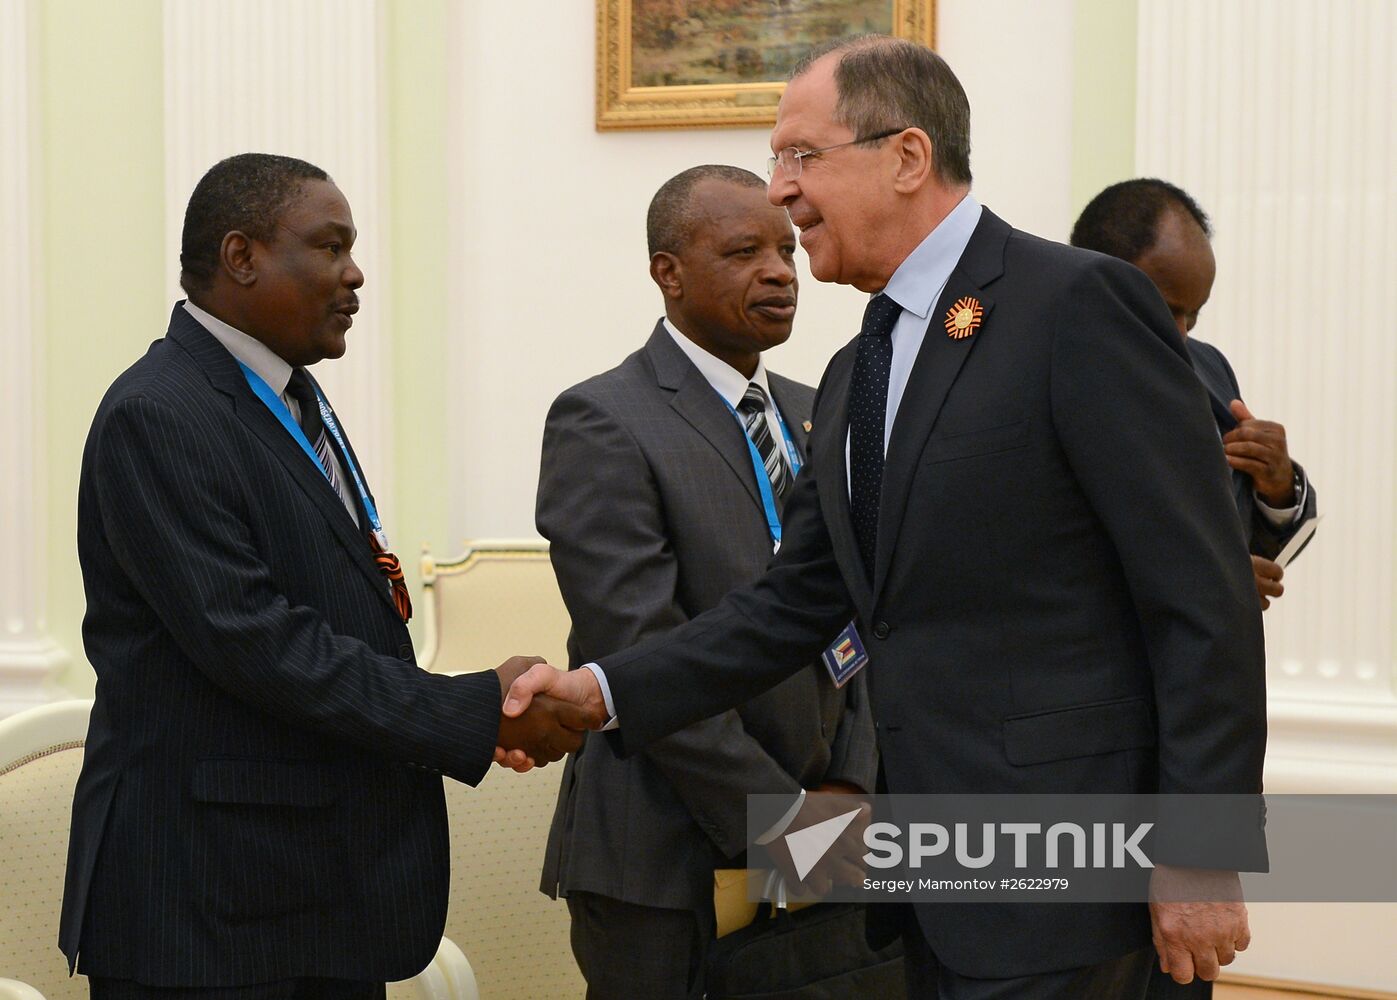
1162,987
631,952
287,989
1123,978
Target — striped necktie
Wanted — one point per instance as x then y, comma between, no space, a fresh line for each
300,389
752,410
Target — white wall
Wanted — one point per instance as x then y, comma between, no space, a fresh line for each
548,217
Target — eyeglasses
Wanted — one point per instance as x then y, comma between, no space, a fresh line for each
790,158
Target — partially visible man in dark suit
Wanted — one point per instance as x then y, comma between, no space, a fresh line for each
1162,231
650,498
1015,487
260,812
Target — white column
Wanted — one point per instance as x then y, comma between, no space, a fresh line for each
29,658
301,78
1277,116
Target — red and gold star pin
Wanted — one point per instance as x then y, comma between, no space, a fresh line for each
963,318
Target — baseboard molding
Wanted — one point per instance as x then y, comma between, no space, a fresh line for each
1331,747
1293,986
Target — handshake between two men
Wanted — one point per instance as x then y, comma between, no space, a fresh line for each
547,729
547,712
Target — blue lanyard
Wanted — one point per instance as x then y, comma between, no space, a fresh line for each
773,519
327,416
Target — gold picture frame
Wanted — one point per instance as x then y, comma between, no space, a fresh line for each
622,104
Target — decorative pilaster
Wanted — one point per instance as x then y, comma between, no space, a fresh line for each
29,658
301,78
1278,118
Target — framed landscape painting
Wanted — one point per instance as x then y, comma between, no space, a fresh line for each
696,63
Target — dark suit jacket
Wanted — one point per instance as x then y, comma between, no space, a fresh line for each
649,500
1263,538
261,795
1062,600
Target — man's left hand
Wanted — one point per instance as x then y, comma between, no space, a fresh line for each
1257,447
1268,576
1198,921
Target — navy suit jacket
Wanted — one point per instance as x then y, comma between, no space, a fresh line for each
261,795
1263,538
1061,600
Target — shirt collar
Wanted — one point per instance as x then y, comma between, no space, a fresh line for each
249,350
726,380
919,279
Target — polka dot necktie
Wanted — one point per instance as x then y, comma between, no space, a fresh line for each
868,404
300,389
752,409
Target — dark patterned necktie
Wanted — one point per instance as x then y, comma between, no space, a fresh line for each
752,409
868,405
300,389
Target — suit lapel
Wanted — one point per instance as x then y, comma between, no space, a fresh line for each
827,443
933,373
698,403
224,374
797,429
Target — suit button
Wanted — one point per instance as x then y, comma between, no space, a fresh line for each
405,651
881,630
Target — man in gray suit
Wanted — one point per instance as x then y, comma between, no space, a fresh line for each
650,497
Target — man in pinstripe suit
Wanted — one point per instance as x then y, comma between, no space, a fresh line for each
260,811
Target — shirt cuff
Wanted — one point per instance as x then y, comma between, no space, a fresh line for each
611,722
779,827
1284,517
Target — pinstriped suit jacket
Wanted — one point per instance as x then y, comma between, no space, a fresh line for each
649,500
261,796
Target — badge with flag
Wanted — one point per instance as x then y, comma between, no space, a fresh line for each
845,656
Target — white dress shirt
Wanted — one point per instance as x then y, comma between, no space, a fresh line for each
269,366
730,383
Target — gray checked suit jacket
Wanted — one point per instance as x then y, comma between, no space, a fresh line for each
649,500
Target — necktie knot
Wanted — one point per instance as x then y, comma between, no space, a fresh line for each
753,400
880,316
300,389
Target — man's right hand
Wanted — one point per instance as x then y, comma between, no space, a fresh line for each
843,863
578,688
543,735
549,730
574,695
1268,579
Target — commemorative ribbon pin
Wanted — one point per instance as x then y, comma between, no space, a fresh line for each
963,318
